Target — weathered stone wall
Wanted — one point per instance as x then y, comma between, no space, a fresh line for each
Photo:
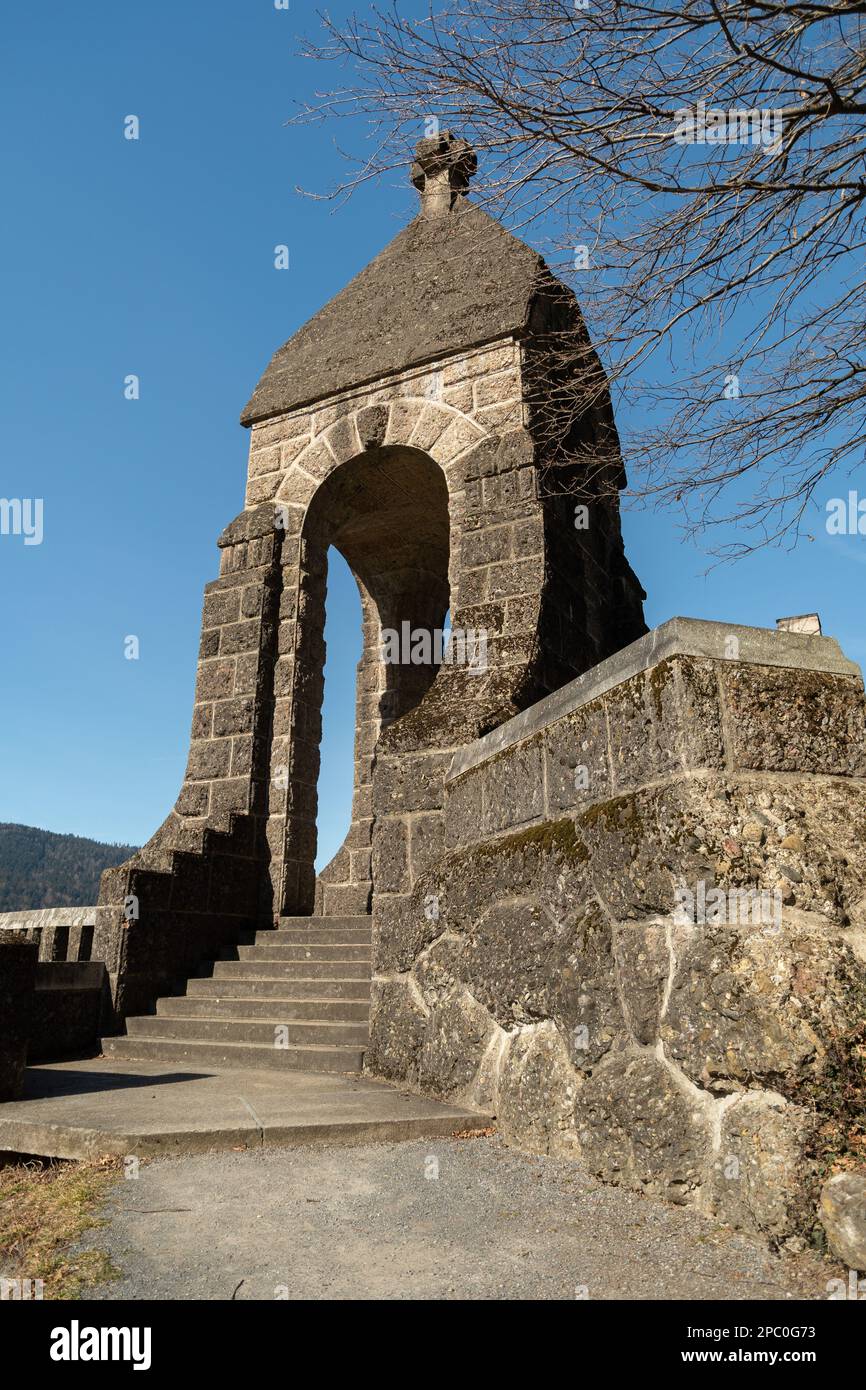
537,964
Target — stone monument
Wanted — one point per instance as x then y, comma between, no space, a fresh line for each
614,881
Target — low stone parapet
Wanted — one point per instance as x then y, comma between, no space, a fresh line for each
61,933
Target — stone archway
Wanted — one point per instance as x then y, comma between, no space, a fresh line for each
434,362
387,511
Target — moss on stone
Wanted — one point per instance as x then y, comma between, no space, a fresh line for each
619,813
555,837
839,1095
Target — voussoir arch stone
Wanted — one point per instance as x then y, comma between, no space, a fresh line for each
440,430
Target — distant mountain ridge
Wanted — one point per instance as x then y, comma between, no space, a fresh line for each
39,868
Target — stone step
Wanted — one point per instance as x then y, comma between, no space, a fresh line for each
340,950
248,1030
228,1056
363,920
267,986
273,1006
310,976
301,936
291,970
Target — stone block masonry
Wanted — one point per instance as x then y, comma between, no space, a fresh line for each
537,964
465,412
197,884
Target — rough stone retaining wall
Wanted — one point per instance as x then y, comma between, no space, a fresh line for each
539,966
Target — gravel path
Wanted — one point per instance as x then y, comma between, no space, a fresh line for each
331,1223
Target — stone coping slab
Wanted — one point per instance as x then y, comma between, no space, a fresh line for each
696,637
29,917
83,1109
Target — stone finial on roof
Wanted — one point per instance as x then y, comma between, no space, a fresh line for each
441,172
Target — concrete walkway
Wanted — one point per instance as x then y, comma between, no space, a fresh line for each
85,1108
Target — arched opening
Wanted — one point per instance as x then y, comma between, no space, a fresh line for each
386,512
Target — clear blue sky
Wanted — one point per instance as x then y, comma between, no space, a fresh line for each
155,257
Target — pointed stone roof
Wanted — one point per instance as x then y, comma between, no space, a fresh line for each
451,280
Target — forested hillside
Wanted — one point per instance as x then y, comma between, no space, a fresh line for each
41,869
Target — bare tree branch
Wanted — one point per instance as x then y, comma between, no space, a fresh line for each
698,173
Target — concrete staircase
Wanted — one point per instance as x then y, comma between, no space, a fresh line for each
293,998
